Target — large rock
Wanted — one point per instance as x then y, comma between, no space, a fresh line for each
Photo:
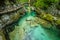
43,23
5,18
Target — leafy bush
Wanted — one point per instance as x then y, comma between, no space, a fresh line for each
44,3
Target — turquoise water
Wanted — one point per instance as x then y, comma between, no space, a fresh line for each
33,32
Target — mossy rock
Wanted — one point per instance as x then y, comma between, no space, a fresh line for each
2,35
49,17
44,23
58,21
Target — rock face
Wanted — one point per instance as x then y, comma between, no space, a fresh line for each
10,14
1,24
10,8
7,19
49,18
53,10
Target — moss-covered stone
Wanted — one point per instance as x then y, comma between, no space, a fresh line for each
43,23
49,17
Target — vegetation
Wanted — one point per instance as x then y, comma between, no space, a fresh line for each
24,1
44,3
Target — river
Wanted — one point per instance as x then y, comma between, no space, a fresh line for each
27,29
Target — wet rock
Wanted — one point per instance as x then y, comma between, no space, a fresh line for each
53,10
14,16
10,28
8,7
2,9
1,24
5,18
44,23
14,6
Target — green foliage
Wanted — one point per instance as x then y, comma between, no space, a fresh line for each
44,3
24,1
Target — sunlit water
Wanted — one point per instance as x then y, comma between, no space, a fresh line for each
29,31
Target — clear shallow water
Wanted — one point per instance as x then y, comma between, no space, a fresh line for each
29,31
